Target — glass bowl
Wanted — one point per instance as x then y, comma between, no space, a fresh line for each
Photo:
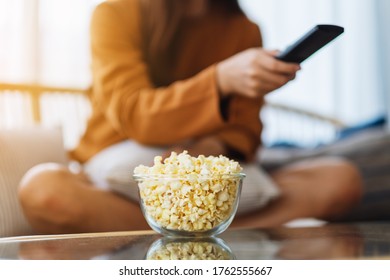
209,248
191,205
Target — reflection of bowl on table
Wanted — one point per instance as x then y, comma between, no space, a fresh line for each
189,249
189,205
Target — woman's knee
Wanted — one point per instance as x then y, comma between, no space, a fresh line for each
345,186
40,182
327,186
347,170
350,180
45,193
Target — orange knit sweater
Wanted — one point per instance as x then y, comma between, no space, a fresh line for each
127,104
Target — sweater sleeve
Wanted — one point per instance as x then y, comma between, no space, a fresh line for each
130,102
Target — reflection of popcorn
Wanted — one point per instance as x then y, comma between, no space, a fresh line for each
188,193
190,251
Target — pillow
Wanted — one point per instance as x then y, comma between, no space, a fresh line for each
258,189
19,151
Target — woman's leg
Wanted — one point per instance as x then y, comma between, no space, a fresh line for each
56,200
319,188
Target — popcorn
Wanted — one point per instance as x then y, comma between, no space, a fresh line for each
190,251
186,193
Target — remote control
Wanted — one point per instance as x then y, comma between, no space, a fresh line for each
311,42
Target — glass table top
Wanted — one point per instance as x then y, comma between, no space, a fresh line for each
330,241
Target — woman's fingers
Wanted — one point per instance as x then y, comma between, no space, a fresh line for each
253,73
268,77
268,61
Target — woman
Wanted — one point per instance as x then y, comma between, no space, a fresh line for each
173,75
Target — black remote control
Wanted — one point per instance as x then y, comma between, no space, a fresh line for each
311,42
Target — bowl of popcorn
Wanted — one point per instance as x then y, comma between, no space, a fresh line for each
187,196
210,248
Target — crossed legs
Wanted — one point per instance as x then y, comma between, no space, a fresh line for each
56,200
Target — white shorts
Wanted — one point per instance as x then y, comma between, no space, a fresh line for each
112,169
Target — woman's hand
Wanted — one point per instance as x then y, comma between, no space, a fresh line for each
253,73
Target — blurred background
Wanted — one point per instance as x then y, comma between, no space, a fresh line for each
346,84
